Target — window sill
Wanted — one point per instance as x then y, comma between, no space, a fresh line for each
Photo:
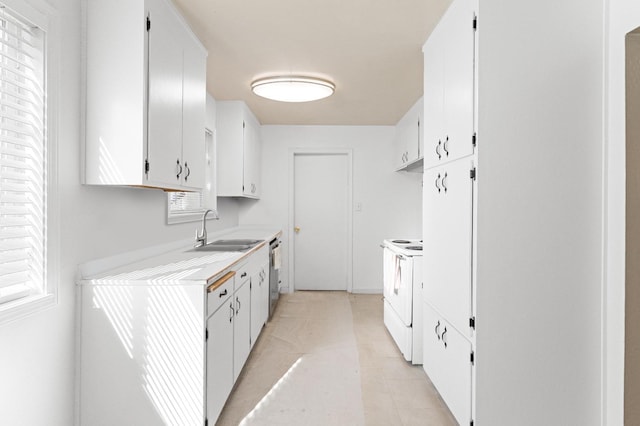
26,306
184,218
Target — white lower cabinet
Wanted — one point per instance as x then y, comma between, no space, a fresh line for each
219,356
259,300
241,327
448,361
166,352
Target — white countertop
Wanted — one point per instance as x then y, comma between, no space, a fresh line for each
179,265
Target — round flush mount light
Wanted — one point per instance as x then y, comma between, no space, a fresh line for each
293,88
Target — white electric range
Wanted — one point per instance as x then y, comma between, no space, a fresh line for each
402,277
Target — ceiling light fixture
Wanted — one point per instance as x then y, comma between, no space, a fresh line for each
293,88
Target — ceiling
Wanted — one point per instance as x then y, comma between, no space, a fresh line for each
370,49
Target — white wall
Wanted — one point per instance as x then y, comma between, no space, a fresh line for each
37,353
391,201
624,16
540,186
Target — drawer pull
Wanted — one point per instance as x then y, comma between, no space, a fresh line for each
244,274
223,293
226,277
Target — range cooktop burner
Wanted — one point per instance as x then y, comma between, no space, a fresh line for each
413,247
401,241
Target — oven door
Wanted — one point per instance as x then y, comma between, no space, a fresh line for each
398,287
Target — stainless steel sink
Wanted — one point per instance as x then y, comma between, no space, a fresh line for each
235,242
228,245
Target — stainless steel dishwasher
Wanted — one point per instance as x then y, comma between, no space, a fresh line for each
274,274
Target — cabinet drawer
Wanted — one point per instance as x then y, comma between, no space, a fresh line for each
243,272
219,291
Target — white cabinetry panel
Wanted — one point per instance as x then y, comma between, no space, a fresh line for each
447,360
165,98
259,300
194,99
447,252
241,327
448,209
409,139
239,150
219,357
144,96
449,86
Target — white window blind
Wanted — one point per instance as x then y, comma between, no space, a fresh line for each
23,183
185,203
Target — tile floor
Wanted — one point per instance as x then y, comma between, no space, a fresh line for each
325,358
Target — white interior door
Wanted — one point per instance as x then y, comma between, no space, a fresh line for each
320,218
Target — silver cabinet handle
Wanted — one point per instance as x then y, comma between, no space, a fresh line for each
186,166
445,146
438,149
443,182
436,329
443,334
232,313
438,183
238,308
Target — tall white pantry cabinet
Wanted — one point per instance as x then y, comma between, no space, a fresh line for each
512,214
448,187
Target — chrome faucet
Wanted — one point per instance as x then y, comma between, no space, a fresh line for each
201,239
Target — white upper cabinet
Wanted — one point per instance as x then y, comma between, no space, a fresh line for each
239,148
409,141
449,86
144,96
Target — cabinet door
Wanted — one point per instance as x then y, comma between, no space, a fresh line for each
400,148
193,118
241,327
219,358
251,158
256,306
433,97
265,293
164,130
458,80
447,361
448,198
412,139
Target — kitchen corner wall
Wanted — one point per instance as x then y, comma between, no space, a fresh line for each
391,201
37,359
624,16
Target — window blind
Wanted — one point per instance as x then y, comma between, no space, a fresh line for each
185,203
22,158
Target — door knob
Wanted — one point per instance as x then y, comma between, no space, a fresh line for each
297,229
